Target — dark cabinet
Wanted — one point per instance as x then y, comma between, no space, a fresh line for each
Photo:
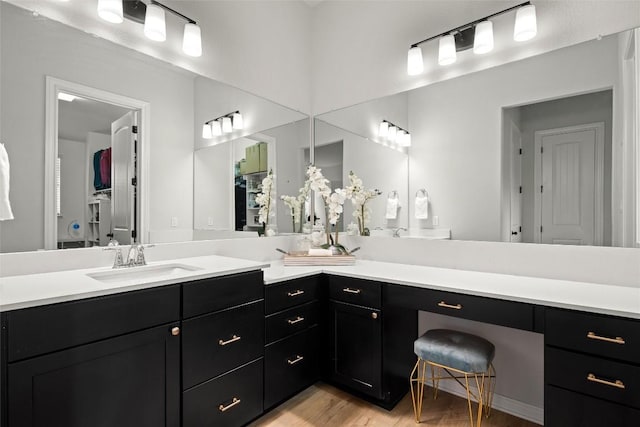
356,347
131,380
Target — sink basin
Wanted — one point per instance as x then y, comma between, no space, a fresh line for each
159,272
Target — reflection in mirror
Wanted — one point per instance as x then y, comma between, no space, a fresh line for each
379,165
230,173
573,112
179,103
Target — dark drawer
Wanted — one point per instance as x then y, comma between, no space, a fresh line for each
564,408
290,365
595,376
366,293
231,400
489,310
218,293
296,319
216,343
613,337
40,330
293,292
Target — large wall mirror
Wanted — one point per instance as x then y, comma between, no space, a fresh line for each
184,184
541,150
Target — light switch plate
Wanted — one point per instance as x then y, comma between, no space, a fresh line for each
174,221
436,220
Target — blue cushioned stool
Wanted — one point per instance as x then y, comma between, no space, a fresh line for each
461,356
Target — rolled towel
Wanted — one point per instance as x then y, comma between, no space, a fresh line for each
5,205
392,209
422,207
320,252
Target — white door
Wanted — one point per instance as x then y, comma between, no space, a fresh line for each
123,178
569,203
516,184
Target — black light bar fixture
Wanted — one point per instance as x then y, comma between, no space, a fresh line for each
477,34
394,133
152,15
223,124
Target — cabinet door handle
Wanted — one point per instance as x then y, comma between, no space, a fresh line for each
296,320
445,305
295,293
296,360
374,315
234,338
616,383
175,331
235,401
616,340
352,291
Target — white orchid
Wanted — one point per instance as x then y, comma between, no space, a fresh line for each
336,200
265,200
359,197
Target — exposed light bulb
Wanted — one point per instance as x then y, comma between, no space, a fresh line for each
415,64
393,133
206,131
447,50
383,130
238,122
110,11
191,40
526,26
483,39
216,128
155,27
226,125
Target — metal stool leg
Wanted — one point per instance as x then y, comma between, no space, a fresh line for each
417,381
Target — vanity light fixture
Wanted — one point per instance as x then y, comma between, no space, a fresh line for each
477,34
222,124
152,15
394,133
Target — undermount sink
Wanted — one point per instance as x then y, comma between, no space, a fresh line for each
147,272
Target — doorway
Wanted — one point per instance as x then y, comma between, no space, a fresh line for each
557,171
54,87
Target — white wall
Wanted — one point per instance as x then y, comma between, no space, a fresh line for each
456,130
260,46
360,47
379,167
72,186
213,188
47,48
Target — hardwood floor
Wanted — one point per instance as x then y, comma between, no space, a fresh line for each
324,405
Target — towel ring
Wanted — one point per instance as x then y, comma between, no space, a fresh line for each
422,192
393,195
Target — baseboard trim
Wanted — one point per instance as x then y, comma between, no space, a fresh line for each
501,403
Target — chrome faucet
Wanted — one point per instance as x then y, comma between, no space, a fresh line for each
135,257
396,232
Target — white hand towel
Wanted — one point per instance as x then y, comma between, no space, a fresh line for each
320,252
5,205
392,209
422,207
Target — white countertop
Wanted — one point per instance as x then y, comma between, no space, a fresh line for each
47,288
597,298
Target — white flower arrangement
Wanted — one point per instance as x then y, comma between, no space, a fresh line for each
359,197
294,206
265,200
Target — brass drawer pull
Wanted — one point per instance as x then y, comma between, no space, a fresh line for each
616,340
235,401
296,320
295,293
616,383
296,360
233,339
352,291
445,305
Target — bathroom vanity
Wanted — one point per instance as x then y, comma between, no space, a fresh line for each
220,346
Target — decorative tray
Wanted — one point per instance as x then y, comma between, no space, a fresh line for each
302,258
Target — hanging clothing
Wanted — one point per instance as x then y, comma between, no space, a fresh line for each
97,176
5,206
105,168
